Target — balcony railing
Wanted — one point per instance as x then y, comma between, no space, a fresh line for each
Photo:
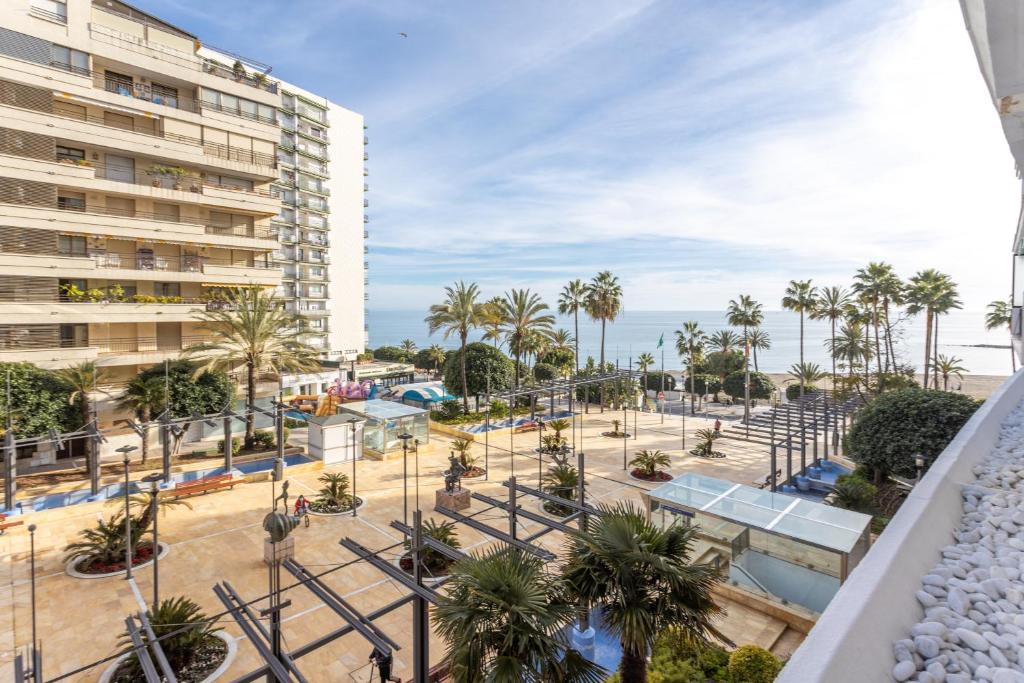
257,80
14,342
144,91
47,14
232,230
171,264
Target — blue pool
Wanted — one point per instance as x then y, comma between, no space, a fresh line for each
504,424
607,650
59,500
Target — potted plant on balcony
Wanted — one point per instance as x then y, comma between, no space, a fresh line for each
260,79
73,292
238,70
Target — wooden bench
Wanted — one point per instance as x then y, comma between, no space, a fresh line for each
5,525
205,485
527,427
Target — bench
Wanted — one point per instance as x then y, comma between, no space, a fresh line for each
205,485
5,525
527,427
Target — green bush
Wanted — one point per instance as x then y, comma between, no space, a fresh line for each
854,493
39,401
292,423
543,372
190,394
761,385
752,664
363,357
654,381
392,354
563,359
483,361
703,384
236,445
424,359
793,391
263,439
897,425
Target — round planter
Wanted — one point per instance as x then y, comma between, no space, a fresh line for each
361,502
650,481
481,473
429,581
71,568
540,507
613,435
229,657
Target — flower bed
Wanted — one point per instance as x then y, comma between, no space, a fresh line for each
644,476
434,570
474,472
616,435
83,568
210,660
321,508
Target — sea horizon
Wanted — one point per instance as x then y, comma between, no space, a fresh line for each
961,334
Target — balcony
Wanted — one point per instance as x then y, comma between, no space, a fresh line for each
145,92
48,15
255,80
41,313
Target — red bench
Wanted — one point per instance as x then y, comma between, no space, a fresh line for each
5,525
205,485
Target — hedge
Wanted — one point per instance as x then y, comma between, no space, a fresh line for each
761,385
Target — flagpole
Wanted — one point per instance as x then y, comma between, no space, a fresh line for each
661,343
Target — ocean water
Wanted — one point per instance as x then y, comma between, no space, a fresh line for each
635,332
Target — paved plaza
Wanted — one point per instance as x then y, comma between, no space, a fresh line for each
221,539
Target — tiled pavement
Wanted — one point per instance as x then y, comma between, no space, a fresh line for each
80,621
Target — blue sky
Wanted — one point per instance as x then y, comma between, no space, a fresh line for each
698,150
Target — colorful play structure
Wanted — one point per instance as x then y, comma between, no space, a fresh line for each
339,392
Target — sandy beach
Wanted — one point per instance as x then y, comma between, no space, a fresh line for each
977,386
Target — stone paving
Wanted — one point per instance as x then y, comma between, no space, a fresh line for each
220,538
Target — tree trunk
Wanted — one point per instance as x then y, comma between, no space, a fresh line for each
250,417
927,345
576,339
801,350
746,376
145,417
832,352
465,384
891,350
601,368
935,352
633,667
88,443
754,349
878,346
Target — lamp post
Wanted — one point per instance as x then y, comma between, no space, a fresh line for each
919,465
625,436
32,565
487,445
124,451
540,451
416,459
154,491
352,421
405,436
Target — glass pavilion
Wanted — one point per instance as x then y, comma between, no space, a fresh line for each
782,546
385,420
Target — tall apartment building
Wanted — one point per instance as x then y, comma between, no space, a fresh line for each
139,173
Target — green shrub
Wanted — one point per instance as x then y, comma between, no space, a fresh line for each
392,354
703,384
450,409
363,357
896,426
499,409
544,372
236,445
39,401
854,493
793,391
263,439
752,664
761,385
654,381
563,359
483,362
292,423
190,394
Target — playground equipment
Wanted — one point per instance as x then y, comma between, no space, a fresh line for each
343,391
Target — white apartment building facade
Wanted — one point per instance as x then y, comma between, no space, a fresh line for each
139,176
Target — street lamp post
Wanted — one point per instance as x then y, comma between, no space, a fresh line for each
352,427
32,561
124,451
487,442
405,436
625,436
154,491
919,465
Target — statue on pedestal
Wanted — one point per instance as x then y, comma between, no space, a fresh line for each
453,475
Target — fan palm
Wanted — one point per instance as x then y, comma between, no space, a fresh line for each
949,366
706,441
82,379
409,347
833,305
492,318
880,286
525,314
561,340
759,341
651,462
255,332
948,300
334,492
801,298
444,533
562,479
144,397
690,342
104,543
459,313
644,361
641,577
505,620
462,447
558,426
183,630
573,298
143,503
746,313
999,315
807,374
603,302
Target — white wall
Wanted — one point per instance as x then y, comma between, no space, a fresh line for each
852,641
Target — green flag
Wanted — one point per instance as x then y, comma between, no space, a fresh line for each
661,340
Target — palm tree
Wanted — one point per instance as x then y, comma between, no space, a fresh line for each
436,354
800,298
183,630
459,313
690,342
333,496
651,462
644,361
931,292
144,398
81,379
849,346
524,314
492,319
833,305
641,577
536,345
561,340
409,347
505,619
759,341
999,315
571,300
603,302
562,479
948,300
746,313
807,374
255,332
724,341
949,365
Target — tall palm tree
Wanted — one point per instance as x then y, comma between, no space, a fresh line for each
254,332
524,314
459,313
561,340
759,341
833,305
850,346
436,354
409,347
603,302
690,342
83,378
928,291
492,319
641,577
644,361
534,344
880,286
800,298
746,313
893,291
999,315
505,619
947,366
948,300
144,398
573,298
724,341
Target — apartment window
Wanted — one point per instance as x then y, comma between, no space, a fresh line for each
75,61
166,212
72,245
118,83
74,335
120,206
54,10
238,106
166,95
68,110
166,289
121,121
64,285
230,181
70,154
71,201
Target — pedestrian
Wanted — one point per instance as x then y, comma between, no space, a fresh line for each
718,426
301,505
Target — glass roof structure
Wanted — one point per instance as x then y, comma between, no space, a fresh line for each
381,410
821,525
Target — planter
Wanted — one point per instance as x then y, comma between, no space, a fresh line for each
544,510
359,506
474,472
659,477
229,658
616,435
156,183
405,564
701,454
71,568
